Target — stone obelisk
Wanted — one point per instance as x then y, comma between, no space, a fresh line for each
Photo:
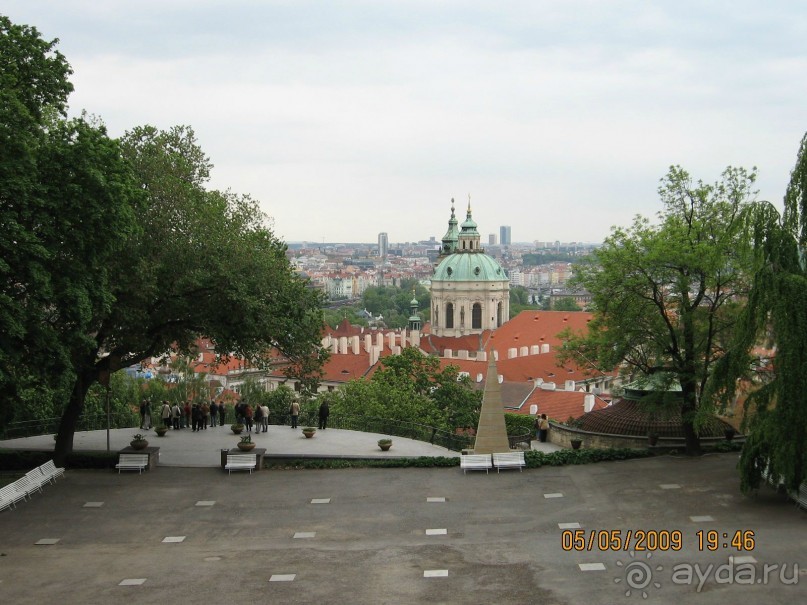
491,434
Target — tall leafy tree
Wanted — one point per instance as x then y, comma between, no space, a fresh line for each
774,316
67,202
115,251
666,295
202,263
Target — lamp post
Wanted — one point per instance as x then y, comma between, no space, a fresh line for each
103,378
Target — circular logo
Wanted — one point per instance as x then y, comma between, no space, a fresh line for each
638,576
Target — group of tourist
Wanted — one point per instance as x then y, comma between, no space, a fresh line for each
198,416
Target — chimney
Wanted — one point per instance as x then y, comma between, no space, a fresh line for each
354,344
447,353
343,345
569,385
368,342
588,403
482,356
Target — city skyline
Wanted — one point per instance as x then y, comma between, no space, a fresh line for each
347,120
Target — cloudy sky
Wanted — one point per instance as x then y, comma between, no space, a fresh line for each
350,118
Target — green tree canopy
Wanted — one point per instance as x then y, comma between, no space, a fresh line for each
666,296
115,251
412,387
775,316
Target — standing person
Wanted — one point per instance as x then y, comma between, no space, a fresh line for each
187,410
543,429
195,417
176,414
324,412
265,417
222,413
294,410
258,415
165,414
143,414
205,415
214,410
147,417
247,411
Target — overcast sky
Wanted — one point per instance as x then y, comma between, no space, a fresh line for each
350,118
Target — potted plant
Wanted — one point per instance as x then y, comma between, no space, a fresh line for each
309,432
237,428
246,444
139,442
161,430
652,438
576,443
385,444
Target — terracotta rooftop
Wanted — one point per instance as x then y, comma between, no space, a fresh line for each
626,417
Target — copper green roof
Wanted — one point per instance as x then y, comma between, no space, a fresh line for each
469,266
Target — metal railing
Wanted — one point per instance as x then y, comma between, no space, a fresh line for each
46,426
384,426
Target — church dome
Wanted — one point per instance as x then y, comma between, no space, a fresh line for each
469,267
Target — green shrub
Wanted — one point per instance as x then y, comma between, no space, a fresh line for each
518,424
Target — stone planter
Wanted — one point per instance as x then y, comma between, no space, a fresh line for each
246,447
309,433
161,431
385,444
576,443
139,445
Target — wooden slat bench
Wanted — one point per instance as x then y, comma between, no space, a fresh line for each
241,462
132,462
9,496
509,460
51,471
475,462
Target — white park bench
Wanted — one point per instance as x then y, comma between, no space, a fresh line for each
51,471
509,460
35,480
241,462
132,462
475,462
10,495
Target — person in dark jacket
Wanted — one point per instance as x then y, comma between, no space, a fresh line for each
324,412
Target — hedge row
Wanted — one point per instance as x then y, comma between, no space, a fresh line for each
25,460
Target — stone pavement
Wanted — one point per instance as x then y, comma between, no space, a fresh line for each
400,536
202,448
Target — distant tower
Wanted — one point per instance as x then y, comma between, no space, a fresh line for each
504,235
383,246
414,319
491,239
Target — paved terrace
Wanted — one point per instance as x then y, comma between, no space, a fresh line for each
398,536
202,448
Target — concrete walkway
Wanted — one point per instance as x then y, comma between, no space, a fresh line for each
203,448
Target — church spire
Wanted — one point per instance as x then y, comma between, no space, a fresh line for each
452,235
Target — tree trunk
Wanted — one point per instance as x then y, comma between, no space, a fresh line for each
71,414
689,410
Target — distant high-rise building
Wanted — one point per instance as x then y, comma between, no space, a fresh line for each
492,239
504,235
383,245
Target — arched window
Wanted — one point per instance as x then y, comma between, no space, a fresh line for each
436,315
499,315
476,317
450,315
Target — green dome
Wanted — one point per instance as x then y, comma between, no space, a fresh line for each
469,266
